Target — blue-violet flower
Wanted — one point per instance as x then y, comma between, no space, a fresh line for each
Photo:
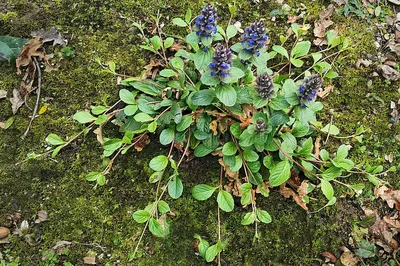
222,61
309,88
265,86
254,38
206,22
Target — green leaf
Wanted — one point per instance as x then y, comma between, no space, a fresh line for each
101,119
327,189
280,50
96,110
202,151
84,117
188,15
93,176
279,103
185,123
341,153
226,94
225,201
250,156
346,164
331,173
249,218
235,130
54,140
235,74
331,129
278,118
141,216
231,31
212,252
203,246
152,127
167,73
179,22
147,87
202,59
143,117
209,80
163,207
203,97
157,229
301,49
159,163
155,177
246,193
300,129
192,39
280,173
175,187
229,149
10,48
324,154
297,62
156,42
167,136
307,148
177,63
168,42
316,57
203,192
238,164
332,75
232,9
264,216
127,96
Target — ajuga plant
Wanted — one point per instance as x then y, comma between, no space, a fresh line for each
235,96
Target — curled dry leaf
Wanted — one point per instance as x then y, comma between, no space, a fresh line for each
322,24
51,35
329,256
388,72
143,142
3,94
89,260
288,192
16,101
248,111
325,92
348,258
42,216
228,172
363,62
392,197
213,127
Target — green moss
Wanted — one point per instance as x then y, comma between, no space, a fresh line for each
87,216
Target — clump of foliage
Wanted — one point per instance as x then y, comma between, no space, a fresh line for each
237,97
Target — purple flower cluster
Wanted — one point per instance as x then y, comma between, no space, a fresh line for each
265,86
206,22
254,38
260,125
308,89
222,61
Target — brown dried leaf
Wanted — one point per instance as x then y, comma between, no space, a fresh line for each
228,172
89,260
330,256
317,147
51,35
152,69
42,216
176,46
16,101
213,127
393,222
348,258
288,192
143,142
99,134
325,92
3,94
246,118
364,62
324,22
32,48
388,72
392,197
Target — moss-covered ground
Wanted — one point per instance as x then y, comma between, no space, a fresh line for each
90,218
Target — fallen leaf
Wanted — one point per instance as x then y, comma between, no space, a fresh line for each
388,72
246,118
396,2
340,2
364,62
16,101
176,46
42,217
324,22
152,69
228,172
42,109
139,145
392,197
3,94
330,256
393,222
89,260
51,35
348,258
288,192
317,147
99,134
325,92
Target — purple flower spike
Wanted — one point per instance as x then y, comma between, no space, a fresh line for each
222,61
254,38
308,90
206,23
